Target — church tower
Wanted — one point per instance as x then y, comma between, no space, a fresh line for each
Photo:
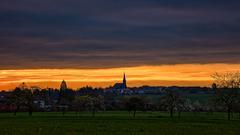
63,86
124,81
62,94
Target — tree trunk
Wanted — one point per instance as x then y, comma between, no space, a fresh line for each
76,113
171,112
30,111
16,110
63,112
229,113
134,113
211,112
179,114
93,112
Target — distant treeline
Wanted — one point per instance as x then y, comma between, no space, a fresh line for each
223,96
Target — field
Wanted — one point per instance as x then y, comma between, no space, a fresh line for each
118,123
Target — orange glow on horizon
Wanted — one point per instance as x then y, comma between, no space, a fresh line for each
164,75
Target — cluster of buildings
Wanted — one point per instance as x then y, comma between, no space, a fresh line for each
116,88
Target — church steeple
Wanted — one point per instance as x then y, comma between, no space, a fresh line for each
124,80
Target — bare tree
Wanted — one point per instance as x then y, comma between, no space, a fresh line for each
95,103
230,80
134,103
236,107
172,101
227,90
16,99
22,98
28,97
80,103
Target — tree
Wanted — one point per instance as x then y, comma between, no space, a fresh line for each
237,107
22,98
16,99
211,105
28,101
171,101
180,106
188,105
80,103
134,103
147,103
94,103
66,98
197,106
227,90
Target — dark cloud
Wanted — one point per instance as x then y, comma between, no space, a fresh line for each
108,33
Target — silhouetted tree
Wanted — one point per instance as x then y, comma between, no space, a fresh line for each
147,103
171,101
94,103
22,98
80,103
16,99
66,99
180,106
134,103
28,99
214,86
211,105
236,107
227,86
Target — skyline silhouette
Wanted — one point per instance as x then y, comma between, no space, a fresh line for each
167,75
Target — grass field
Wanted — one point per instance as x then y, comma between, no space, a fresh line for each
117,123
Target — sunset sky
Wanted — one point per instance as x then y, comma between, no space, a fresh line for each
93,42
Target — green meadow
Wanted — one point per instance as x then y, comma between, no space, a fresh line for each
118,123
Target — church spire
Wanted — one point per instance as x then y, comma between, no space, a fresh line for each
124,80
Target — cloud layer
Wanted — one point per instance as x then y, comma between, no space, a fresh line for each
110,33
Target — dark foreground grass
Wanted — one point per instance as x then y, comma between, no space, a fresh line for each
117,123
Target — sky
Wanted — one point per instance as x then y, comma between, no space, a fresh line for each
41,41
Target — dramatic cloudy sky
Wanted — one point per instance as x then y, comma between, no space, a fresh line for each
103,34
